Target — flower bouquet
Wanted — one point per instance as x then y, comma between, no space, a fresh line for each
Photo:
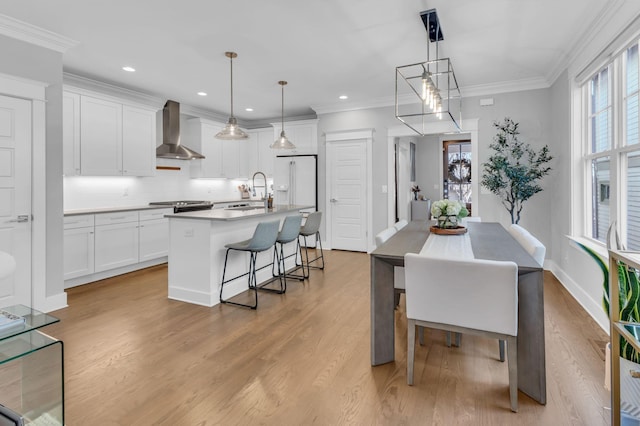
447,213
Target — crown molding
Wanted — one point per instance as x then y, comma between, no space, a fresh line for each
505,87
90,85
466,92
28,33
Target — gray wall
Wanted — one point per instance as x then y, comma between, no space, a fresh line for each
36,63
530,108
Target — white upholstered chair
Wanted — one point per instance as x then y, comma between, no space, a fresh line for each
400,224
530,243
398,271
474,296
384,235
7,264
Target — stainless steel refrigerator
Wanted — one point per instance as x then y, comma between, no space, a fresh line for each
295,180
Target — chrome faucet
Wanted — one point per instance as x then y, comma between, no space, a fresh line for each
253,179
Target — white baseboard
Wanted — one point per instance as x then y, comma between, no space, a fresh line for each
593,309
113,272
51,303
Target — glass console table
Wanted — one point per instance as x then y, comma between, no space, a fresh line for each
624,387
31,369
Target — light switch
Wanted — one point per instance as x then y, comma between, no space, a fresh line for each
384,189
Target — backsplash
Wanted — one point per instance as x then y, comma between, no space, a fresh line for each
88,192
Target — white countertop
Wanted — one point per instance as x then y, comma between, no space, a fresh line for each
226,215
112,209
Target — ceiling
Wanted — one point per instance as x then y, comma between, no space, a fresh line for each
324,49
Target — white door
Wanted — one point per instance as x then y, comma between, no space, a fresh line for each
15,197
347,194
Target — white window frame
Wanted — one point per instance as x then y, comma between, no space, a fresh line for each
617,153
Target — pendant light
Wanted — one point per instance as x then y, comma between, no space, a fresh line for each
282,142
231,131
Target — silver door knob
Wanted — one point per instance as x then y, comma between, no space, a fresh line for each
333,200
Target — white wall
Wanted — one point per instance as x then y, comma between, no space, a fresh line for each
40,64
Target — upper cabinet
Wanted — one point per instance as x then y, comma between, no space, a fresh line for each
71,133
261,140
104,137
222,157
138,141
303,134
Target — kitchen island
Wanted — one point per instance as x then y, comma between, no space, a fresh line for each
196,250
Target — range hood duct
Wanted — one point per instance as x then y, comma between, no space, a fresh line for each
171,147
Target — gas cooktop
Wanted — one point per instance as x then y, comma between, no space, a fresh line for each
184,205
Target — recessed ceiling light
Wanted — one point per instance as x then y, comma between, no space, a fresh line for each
129,69
343,97
202,94
249,109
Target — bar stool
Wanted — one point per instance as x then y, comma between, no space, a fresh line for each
289,233
264,237
311,227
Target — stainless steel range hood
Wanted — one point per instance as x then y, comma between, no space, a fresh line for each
171,147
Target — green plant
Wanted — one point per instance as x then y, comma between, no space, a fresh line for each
447,213
629,294
514,169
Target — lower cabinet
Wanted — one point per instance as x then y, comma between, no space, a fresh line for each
154,239
78,252
116,246
97,246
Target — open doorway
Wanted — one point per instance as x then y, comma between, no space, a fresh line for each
456,170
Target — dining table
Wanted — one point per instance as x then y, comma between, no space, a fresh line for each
490,241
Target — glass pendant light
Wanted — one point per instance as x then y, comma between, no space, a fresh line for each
231,131
282,142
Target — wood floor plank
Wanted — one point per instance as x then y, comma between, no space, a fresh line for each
132,356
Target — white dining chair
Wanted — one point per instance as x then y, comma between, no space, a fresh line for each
7,264
531,244
478,297
398,271
400,224
384,235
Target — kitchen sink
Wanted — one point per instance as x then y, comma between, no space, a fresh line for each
244,208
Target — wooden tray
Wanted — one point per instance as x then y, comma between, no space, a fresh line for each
448,231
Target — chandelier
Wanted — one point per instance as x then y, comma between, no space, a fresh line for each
427,92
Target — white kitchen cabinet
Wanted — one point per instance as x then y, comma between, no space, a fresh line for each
266,154
231,159
138,141
105,137
70,133
222,157
249,155
153,234
100,137
78,246
116,240
303,134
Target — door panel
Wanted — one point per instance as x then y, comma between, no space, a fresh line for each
15,197
347,194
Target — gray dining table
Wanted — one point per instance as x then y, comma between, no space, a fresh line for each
489,241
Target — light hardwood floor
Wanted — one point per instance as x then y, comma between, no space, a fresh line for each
134,357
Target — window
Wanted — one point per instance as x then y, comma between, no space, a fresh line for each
612,149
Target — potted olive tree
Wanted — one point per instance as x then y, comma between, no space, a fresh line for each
514,169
